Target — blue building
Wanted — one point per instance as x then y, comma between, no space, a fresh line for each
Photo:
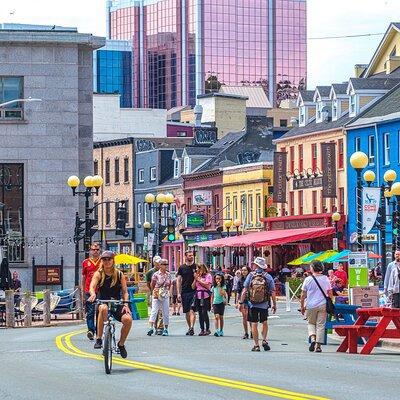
376,132
112,70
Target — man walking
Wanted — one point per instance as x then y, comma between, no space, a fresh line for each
259,290
392,266
186,294
89,267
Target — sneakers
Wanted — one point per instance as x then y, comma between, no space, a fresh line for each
219,333
150,332
265,345
318,349
174,313
90,335
122,351
207,332
98,344
202,333
256,348
312,346
245,336
178,313
191,332
165,332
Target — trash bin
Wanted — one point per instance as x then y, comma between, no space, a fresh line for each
142,307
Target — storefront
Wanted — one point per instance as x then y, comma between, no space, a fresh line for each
174,253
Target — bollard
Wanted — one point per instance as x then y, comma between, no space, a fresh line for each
79,302
10,315
287,290
27,309
46,308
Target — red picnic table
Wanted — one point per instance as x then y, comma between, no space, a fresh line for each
360,329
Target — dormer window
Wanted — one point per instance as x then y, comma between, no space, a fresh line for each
353,105
302,116
186,165
335,104
177,168
320,106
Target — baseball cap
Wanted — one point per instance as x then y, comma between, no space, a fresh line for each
107,254
157,259
260,262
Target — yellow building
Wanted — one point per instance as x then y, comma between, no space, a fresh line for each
246,189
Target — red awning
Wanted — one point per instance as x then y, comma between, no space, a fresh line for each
269,238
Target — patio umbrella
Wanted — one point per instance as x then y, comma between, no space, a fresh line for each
339,257
322,256
127,259
5,275
300,260
373,255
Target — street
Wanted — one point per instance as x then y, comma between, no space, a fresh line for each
59,362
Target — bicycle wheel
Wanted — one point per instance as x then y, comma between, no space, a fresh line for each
107,349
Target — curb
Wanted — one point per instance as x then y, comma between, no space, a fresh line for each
52,325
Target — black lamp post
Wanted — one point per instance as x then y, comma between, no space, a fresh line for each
335,219
396,192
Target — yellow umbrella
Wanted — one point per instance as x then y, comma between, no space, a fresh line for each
127,259
300,260
322,256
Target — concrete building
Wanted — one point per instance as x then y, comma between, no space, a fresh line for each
43,143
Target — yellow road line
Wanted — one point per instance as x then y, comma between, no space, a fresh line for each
64,343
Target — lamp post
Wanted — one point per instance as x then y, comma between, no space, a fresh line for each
335,219
393,216
237,223
396,192
359,161
146,227
228,225
27,100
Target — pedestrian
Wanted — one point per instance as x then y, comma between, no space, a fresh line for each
393,288
244,306
260,288
176,305
331,276
229,285
236,280
160,285
202,303
148,278
219,299
16,286
186,293
316,288
392,265
89,268
341,274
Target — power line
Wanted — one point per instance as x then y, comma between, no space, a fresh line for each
346,36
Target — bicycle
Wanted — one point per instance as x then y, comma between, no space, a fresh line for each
109,342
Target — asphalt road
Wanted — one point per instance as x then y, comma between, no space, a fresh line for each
34,365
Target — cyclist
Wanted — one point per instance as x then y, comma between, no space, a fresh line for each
110,284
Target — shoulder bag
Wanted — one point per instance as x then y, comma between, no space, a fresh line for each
330,307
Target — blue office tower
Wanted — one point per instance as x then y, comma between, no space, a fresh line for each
112,70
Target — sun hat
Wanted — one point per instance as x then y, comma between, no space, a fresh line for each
260,262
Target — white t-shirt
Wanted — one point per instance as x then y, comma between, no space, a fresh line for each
315,298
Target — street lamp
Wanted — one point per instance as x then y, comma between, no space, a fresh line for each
396,192
27,100
237,223
228,225
147,227
335,219
359,161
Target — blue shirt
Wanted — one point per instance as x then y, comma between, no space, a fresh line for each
218,299
270,283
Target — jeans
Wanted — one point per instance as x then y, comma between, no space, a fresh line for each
89,309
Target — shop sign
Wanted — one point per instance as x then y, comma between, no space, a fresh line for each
280,168
328,151
298,224
358,277
48,275
366,297
201,237
305,183
370,207
195,220
370,238
202,198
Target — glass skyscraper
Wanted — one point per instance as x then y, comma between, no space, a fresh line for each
183,48
112,70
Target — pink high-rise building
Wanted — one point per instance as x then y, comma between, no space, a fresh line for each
183,48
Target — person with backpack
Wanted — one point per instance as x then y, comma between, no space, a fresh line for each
259,291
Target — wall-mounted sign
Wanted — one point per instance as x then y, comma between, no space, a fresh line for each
202,198
203,237
48,275
307,183
280,168
298,224
370,238
195,220
328,151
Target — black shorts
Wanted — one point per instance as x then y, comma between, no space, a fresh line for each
257,314
187,301
219,308
174,299
116,312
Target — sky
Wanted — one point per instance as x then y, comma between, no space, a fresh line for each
329,60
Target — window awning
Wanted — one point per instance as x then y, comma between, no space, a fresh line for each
269,238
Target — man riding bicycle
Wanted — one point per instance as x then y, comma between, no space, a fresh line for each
111,285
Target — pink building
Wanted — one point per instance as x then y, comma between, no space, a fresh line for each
183,48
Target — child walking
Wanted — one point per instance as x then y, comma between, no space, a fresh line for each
218,299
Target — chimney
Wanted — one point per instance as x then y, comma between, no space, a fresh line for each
359,69
198,112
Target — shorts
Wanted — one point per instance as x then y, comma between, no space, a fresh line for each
116,312
187,301
257,314
219,308
174,299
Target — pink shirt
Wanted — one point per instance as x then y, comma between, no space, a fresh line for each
161,280
201,291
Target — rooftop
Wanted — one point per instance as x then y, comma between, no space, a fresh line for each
257,97
223,95
383,83
307,95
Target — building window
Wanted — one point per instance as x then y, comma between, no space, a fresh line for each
235,208
302,115
153,214
386,148
340,153
116,206
141,175
139,215
291,203
186,165
357,144
11,88
126,169
283,123
353,108
177,168
189,203
250,209
153,174
107,172
341,200
300,195
243,203
228,207
181,134
258,207
300,157
291,159
314,202
371,149
95,167
314,153
116,170
108,214
126,204
146,213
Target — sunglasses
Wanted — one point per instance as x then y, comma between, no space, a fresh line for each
107,259
95,249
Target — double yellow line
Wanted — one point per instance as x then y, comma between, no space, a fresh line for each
64,343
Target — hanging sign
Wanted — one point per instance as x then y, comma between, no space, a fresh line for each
280,162
370,207
329,170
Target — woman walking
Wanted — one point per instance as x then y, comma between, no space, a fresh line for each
316,289
243,306
160,285
236,279
218,298
202,284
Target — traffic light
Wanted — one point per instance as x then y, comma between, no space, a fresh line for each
90,223
121,222
79,228
171,229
